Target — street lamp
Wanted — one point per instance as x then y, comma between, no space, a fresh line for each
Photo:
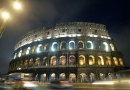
17,5
5,16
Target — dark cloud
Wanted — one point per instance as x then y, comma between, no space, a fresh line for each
39,13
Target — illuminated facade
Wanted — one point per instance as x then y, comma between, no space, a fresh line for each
77,51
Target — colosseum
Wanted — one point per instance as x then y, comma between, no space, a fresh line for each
75,51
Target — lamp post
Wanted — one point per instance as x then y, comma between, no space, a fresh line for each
5,16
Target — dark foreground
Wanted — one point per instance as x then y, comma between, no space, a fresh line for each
8,87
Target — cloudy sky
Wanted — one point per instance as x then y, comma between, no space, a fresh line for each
115,14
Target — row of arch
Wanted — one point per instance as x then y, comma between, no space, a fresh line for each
54,61
63,46
82,77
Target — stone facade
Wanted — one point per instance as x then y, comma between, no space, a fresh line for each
77,51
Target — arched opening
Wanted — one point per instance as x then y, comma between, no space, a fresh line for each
108,60
118,76
36,77
37,62
96,45
53,61
121,62
54,46
83,78
14,66
62,60
112,47
31,62
62,76
110,76
21,63
23,52
80,44
100,60
105,46
72,78
91,60
43,78
63,45
26,63
89,45
15,55
115,61
46,47
81,60
45,61
39,48
71,45
20,53
102,76
33,49
17,65
92,77
28,50
52,77
71,60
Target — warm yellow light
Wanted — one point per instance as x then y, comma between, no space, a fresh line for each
81,62
5,15
17,5
27,74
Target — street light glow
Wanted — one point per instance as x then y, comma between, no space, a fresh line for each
17,5
5,15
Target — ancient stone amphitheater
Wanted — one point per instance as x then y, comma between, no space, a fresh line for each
76,51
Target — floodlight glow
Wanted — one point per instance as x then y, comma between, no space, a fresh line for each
104,82
63,35
5,15
38,48
28,49
105,37
109,38
106,46
52,48
90,35
20,53
15,55
91,44
48,37
17,5
26,74
29,84
19,68
78,35
95,35
39,39
70,46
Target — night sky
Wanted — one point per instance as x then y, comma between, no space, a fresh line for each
115,14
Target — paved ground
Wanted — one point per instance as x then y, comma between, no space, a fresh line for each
82,87
8,87
89,88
